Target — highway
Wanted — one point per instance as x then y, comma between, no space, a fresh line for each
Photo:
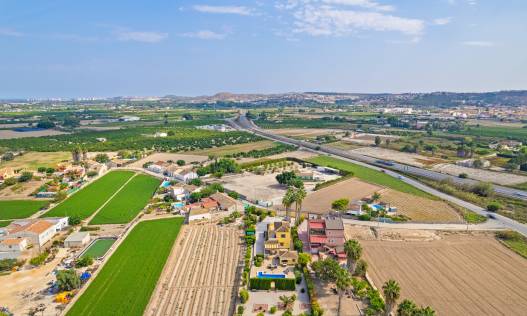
243,123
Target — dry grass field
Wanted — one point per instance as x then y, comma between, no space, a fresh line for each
319,202
406,158
168,156
233,149
503,178
459,274
421,209
33,160
200,276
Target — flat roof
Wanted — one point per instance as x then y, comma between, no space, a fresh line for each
78,236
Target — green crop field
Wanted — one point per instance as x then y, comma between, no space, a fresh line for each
16,209
4,223
369,175
496,132
126,282
89,199
126,204
99,248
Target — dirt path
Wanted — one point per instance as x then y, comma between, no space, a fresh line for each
200,276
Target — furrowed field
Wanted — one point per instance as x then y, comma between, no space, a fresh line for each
20,208
126,282
90,198
128,202
368,175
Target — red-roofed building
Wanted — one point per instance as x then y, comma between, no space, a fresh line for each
326,235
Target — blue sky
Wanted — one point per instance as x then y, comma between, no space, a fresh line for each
60,48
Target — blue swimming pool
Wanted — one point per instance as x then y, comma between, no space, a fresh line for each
270,275
165,184
178,204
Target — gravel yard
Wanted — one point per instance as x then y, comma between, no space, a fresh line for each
481,174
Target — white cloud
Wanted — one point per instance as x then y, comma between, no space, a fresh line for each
10,32
205,35
479,43
442,21
368,4
325,20
145,37
240,10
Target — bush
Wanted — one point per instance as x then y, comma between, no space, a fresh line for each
74,220
41,169
244,296
364,217
493,207
180,162
483,189
8,264
463,175
241,309
92,174
287,284
26,176
273,309
84,262
39,260
298,277
360,268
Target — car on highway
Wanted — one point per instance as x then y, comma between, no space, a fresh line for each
491,216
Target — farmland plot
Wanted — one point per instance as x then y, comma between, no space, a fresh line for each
91,198
457,275
126,204
20,208
126,282
200,277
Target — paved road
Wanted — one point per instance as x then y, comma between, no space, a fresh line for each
242,123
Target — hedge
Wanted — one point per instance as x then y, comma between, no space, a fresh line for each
287,284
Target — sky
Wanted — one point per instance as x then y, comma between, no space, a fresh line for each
101,48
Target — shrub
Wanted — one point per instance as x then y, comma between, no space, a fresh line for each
483,189
84,262
8,264
26,176
463,175
298,277
68,280
360,268
244,296
92,174
74,220
180,162
39,260
273,309
287,284
241,309
364,217
493,206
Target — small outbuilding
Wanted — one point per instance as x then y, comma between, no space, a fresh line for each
77,240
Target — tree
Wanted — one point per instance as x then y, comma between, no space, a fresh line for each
353,251
244,296
84,262
340,205
102,158
360,268
406,308
376,196
8,156
68,280
425,311
493,206
343,283
286,178
288,301
25,177
326,269
477,164
180,162
74,220
300,195
387,141
45,124
392,291
304,259
288,200
233,194
378,141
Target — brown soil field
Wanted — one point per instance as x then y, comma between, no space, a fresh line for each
402,157
10,134
201,275
421,209
460,274
33,160
21,190
319,202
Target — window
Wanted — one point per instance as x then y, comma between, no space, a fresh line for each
282,235
281,244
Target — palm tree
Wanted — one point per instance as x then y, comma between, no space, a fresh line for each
376,196
406,308
343,283
353,251
288,301
300,195
288,200
392,291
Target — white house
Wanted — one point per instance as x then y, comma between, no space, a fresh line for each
77,240
11,248
158,167
179,193
186,175
37,231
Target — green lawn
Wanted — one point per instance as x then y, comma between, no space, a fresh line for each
89,199
515,241
128,202
20,208
99,248
126,282
369,175
4,223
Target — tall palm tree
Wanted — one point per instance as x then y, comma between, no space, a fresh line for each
288,200
343,283
300,195
392,291
353,251
406,308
